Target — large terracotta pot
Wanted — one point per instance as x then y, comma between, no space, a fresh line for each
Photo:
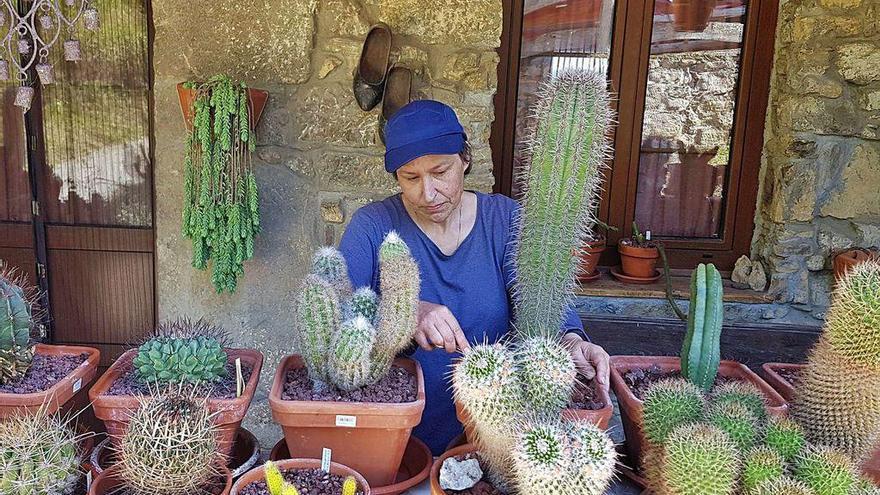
589,256
187,98
844,261
257,473
108,483
631,407
638,262
115,410
369,437
57,395
435,470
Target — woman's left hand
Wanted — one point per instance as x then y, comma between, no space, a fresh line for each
592,362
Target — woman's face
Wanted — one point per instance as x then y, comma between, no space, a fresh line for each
432,185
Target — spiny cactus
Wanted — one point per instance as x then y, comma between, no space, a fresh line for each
182,351
275,481
593,458
349,363
737,421
783,486
16,323
542,459
759,465
349,486
547,373
566,154
364,302
329,264
826,471
838,398
318,317
39,454
785,437
669,404
865,486
170,447
700,459
740,392
701,351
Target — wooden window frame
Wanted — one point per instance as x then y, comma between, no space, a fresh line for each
628,70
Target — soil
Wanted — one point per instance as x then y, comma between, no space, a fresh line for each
482,487
307,481
398,386
45,372
129,384
586,398
791,375
633,243
640,380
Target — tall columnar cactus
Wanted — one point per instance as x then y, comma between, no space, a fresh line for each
838,398
669,404
170,447
16,322
701,352
317,318
566,154
182,351
329,264
547,374
700,459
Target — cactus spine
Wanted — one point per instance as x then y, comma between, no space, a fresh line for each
16,322
838,400
785,437
701,352
783,486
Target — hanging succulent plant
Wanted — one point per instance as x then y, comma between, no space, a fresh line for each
221,203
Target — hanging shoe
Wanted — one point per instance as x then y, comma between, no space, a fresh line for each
398,92
369,75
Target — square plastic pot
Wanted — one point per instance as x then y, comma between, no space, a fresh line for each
631,407
115,410
56,395
370,438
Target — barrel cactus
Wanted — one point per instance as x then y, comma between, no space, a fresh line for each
547,374
700,459
17,308
826,471
743,393
182,352
669,404
701,351
760,465
783,486
737,421
785,437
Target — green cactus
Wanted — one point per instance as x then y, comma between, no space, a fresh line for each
783,486
700,459
16,323
744,393
329,264
318,317
181,352
701,352
669,404
785,437
170,447
593,458
566,153
349,361
547,374
737,421
826,471
838,399
39,454
865,486
759,465
542,459
364,302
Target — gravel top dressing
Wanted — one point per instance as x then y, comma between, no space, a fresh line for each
46,371
398,386
306,481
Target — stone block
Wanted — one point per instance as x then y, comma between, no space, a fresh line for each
741,271
469,70
342,18
331,211
413,58
330,115
330,64
859,62
871,101
452,22
869,235
841,4
856,195
346,171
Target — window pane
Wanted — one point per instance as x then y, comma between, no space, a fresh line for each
558,35
690,99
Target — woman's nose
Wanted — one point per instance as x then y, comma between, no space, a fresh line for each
429,190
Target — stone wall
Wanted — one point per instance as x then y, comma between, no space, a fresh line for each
318,156
820,183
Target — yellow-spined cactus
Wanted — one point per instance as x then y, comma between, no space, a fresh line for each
838,398
274,479
349,486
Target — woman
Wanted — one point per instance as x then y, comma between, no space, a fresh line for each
461,242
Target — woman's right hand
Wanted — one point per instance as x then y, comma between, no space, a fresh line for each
439,329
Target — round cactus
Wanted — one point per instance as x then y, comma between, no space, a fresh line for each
668,404
783,486
593,458
17,306
349,363
785,437
737,421
744,393
759,465
826,471
541,459
364,302
866,486
700,459
182,351
547,373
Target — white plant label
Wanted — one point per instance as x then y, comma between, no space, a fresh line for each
88,480
325,460
346,421
77,385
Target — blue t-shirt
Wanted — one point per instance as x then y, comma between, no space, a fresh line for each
474,283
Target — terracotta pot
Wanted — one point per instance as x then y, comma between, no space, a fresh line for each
57,395
844,261
115,410
638,262
369,437
257,473
590,255
631,406
871,468
414,468
692,15
107,483
435,470
187,98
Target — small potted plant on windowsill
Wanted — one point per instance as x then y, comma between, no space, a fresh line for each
844,261
592,251
638,258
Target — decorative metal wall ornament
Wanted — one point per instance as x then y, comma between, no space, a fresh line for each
30,36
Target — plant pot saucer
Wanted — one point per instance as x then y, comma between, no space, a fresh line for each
617,272
414,468
591,277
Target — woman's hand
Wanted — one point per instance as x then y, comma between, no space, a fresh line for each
438,329
592,362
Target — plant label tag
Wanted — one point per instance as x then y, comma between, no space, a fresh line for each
346,421
88,480
77,385
239,378
325,460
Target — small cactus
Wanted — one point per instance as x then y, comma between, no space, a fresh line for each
745,393
542,459
329,264
349,361
181,352
274,478
785,437
737,421
669,404
701,351
826,471
547,374
318,317
17,306
593,458
700,459
759,465
364,302
349,486
783,486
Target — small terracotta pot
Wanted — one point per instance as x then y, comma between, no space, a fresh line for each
435,470
369,437
844,261
257,473
692,15
631,407
57,395
115,410
638,262
187,98
590,255
108,483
